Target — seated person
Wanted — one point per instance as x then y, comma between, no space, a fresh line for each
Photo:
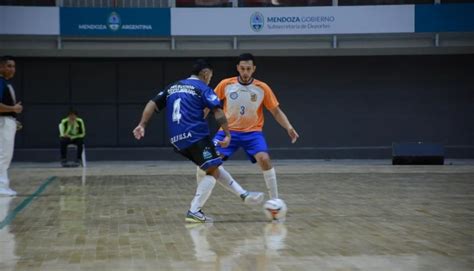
71,131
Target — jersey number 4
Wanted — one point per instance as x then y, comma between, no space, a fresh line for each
176,110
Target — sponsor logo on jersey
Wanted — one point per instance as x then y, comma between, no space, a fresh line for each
182,89
253,97
234,95
180,137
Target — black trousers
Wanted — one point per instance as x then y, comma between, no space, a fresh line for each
79,142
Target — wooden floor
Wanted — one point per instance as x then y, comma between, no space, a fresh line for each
343,215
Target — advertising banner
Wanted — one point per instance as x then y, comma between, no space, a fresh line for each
292,21
115,22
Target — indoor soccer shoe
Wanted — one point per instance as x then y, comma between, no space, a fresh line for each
252,198
197,217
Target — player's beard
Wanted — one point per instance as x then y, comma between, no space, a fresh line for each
245,79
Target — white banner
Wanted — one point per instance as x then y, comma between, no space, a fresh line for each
292,20
29,20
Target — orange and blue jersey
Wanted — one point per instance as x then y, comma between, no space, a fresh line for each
243,103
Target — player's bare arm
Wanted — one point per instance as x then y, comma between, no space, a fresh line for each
206,112
139,131
281,118
17,108
222,122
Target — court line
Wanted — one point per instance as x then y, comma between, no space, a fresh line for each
9,218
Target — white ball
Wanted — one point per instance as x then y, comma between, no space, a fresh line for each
275,209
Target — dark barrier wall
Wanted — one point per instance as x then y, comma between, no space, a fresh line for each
353,106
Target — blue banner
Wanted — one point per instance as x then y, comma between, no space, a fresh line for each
115,22
444,18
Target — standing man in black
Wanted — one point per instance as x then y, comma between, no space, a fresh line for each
9,108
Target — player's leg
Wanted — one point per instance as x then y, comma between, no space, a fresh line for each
203,153
256,148
7,141
203,192
224,153
228,182
225,179
269,175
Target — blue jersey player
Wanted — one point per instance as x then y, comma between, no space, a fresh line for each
188,129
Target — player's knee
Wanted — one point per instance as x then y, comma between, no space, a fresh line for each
200,173
213,171
264,160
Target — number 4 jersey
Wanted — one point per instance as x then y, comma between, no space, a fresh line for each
186,101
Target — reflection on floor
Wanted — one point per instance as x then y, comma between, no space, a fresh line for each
363,217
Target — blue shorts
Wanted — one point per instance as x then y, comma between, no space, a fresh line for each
251,142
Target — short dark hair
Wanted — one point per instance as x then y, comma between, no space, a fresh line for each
200,65
4,59
246,57
72,112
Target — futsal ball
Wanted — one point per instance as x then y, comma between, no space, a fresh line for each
275,209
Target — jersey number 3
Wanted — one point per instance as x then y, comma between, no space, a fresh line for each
176,110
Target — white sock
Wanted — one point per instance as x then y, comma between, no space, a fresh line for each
271,182
226,180
199,175
203,191
4,181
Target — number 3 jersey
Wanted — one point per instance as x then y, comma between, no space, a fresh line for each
185,102
243,103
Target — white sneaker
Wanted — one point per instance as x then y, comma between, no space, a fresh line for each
198,217
252,198
7,192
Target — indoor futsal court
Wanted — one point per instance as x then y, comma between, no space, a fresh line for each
236,135
343,215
